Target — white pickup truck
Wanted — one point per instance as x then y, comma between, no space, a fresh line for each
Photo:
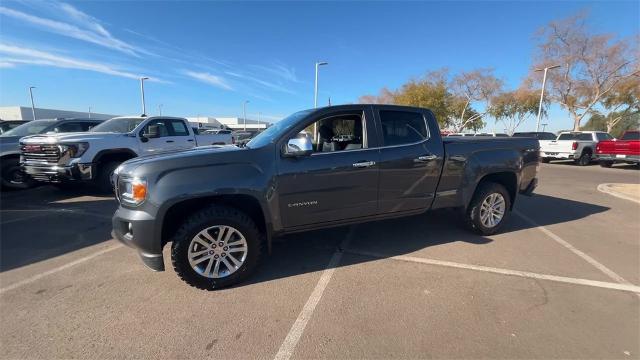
579,146
94,155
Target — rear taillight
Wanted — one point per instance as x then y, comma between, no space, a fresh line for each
597,147
574,146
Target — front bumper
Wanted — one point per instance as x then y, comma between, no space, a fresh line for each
557,155
137,229
528,191
60,173
618,157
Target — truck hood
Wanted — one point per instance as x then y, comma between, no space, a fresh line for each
69,137
179,155
157,163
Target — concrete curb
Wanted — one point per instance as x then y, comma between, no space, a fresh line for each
607,188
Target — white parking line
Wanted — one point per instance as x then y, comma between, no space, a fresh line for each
289,344
606,188
610,273
525,274
58,269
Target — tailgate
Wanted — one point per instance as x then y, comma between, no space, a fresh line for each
559,146
626,147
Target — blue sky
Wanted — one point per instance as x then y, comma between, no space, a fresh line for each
206,58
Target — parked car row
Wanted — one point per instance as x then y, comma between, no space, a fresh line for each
66,151
583,147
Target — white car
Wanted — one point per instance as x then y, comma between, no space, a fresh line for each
94,155
579,146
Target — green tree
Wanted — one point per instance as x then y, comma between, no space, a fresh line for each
598,122
512,108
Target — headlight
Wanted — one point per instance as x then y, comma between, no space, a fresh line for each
132,191
74,150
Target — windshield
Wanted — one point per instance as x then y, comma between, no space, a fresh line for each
30,128
118,125
274,131
631,135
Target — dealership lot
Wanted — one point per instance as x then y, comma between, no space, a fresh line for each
561,281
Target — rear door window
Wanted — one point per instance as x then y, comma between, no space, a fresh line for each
585,137
402,127
603,136
632,135
568,136
177,128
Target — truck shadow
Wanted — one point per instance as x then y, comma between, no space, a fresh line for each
302,253
43,223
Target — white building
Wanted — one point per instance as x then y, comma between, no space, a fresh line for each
25,113
234,123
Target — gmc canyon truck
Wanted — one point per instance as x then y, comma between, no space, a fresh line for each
92,156
221,207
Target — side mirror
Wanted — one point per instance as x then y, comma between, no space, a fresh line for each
300,145
151,132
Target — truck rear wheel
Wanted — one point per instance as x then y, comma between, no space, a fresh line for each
216,247
489,208
546,160
584,159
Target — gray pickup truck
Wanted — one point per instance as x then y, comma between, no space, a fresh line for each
221,206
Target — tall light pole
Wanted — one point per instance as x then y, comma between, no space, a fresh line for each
160,109
315,98
89,112
315,92
144,108
33,108
244,113
544,126
544,81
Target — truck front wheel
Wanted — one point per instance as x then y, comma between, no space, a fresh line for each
216,247
103,181
489,208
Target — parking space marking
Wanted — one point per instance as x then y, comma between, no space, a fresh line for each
58,269
605,189
524,274
610,273
289,344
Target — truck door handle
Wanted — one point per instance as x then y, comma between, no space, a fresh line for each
191,140
169,141
364,164
427,157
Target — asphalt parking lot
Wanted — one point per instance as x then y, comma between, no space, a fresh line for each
562,281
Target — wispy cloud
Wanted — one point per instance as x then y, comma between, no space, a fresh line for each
86,29
280,70
267,84
6,64
22,55
210,79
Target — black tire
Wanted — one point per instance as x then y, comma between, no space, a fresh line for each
472,215
212,216
103,181
606,164
546,160
13,177
584,159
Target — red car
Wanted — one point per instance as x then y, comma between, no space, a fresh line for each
626,149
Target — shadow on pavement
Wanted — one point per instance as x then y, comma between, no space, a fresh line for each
308,252
45,222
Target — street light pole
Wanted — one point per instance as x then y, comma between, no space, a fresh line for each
144,109
244,113
33,108
160,109
315,92
89,112
544,81
315,98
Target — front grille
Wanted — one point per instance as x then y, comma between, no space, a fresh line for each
40,154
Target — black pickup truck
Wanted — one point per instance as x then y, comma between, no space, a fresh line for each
220,206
